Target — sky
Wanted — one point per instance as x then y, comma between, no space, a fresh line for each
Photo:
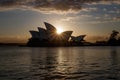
94,18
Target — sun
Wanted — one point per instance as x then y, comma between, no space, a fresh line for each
59,30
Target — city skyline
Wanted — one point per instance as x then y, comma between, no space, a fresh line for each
96,19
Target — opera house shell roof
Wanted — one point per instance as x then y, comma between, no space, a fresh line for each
48,35
78,38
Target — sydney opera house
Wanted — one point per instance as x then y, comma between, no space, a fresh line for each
77,38
49,37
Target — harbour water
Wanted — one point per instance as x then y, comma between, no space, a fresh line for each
60,63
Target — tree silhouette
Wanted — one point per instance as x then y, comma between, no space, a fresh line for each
113,38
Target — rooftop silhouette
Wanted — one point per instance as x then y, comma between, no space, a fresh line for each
49,37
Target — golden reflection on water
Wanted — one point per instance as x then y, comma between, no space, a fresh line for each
69,60
60,63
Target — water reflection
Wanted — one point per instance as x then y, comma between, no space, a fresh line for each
114,56
60,63
114,64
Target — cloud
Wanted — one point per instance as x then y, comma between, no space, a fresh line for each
104,20
116,19
46,6
75,18
89,9
105,2
68,18
114,11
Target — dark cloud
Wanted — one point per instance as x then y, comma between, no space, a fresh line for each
10,3
48,5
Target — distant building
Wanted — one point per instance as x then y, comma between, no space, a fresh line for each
50,28
77,38
35,34
48,35
42,34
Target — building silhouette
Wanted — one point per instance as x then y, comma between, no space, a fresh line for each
78,38
49,37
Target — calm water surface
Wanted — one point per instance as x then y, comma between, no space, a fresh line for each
60,63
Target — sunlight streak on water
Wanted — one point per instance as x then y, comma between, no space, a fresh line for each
60,63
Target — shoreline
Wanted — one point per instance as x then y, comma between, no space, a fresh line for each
48,45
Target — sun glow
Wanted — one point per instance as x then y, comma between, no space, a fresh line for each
59,30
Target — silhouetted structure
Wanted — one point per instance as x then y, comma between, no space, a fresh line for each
77,40
113,40
49,37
